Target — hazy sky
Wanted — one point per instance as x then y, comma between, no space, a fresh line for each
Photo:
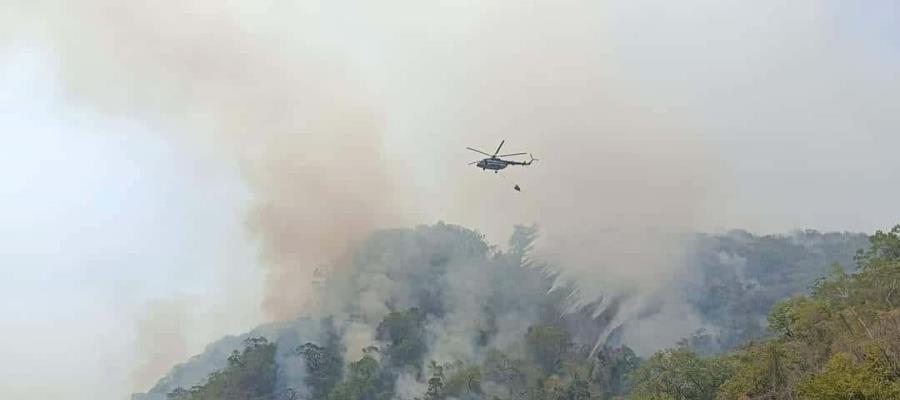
99,219
102,218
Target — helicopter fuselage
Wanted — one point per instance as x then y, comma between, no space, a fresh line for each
494,164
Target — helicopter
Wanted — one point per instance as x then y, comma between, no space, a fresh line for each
495,162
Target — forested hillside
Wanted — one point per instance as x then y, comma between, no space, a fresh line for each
741,276
842,341
436,313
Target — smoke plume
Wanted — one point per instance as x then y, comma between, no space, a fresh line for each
253,87
346,117
304,98
161,340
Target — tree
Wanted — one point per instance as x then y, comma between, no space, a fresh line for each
515,375
612,369
579,389
324,367
365,381
405,333
547,345
845,379
884,248
766,371
435,383
179,394
462,380
679,374
249,375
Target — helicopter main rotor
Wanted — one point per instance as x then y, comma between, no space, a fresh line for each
495,155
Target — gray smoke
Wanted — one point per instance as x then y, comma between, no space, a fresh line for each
252,88
346,117
472,297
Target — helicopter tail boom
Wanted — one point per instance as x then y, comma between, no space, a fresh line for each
523,162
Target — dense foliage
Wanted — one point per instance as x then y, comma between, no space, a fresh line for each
324,364
842,341
250,375
404,333
506,336
742,276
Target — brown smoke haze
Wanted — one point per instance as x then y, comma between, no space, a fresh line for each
346,117
254,88
161,339
274,87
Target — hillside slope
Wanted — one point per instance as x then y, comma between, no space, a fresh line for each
414,309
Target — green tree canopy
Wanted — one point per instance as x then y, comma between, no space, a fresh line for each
250,375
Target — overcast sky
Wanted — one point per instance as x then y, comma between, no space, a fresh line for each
102,216
99,218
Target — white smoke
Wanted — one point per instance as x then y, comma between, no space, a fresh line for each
343,117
